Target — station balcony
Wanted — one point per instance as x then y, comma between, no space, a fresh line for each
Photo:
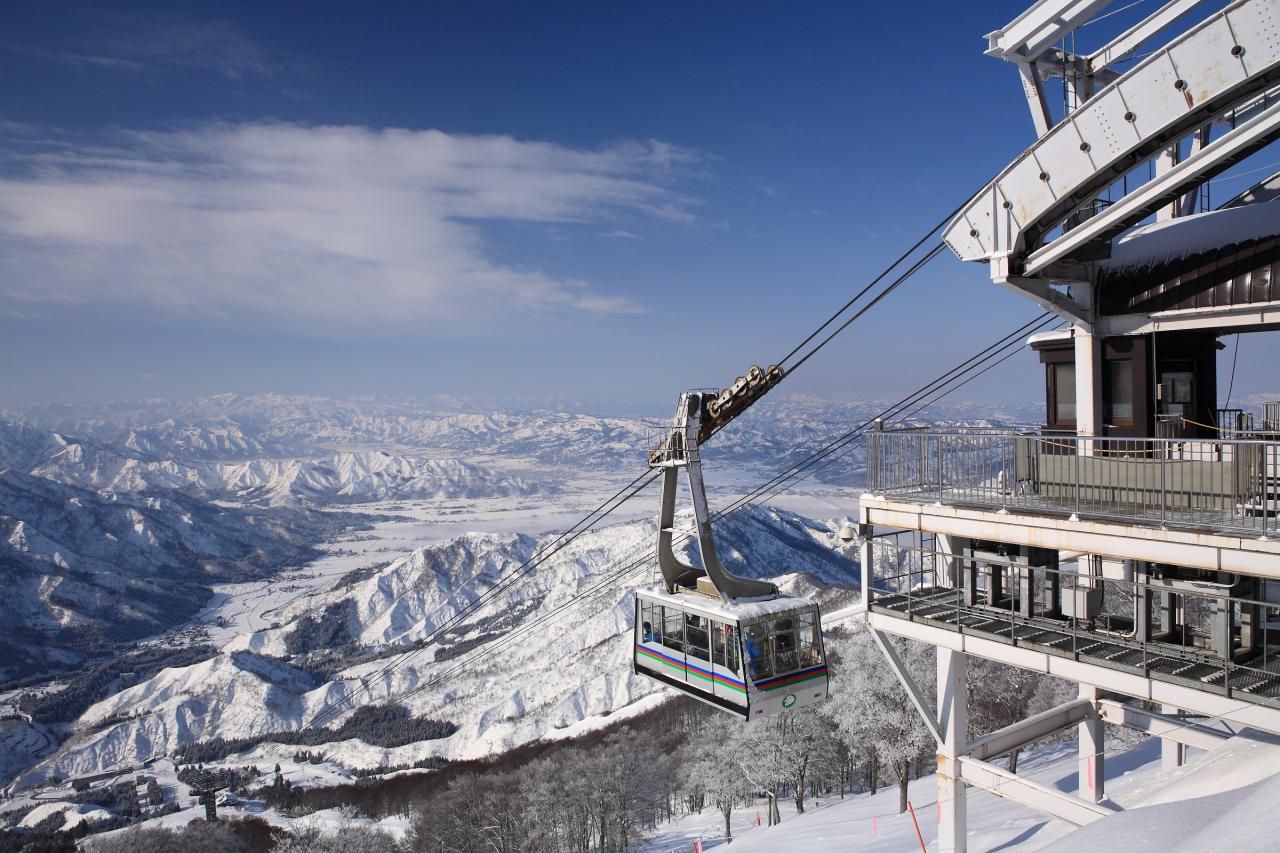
1145,566
1224,485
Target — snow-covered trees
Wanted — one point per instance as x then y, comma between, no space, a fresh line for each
708,772
1000,695
873,713
348,839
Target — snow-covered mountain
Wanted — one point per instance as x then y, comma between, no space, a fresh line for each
543,677
85,570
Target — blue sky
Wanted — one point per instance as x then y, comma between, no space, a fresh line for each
492,200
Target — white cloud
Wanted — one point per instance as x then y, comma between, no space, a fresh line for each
314,223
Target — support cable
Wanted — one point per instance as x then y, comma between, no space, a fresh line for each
949,382
532,563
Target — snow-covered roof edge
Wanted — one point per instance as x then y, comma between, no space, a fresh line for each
1159,242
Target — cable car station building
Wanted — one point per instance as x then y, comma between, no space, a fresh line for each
1132,544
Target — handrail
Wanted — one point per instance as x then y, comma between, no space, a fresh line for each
1210,484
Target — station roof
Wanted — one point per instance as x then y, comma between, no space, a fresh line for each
1225,258
1147,246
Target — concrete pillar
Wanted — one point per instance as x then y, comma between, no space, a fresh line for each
953,717
1092,746
1172,754
1088,353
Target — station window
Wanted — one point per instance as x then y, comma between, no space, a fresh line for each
1062,390
759,657
696,637
1120,392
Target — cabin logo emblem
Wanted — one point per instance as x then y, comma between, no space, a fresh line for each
788,700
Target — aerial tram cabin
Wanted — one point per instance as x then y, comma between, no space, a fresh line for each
753,659
736,643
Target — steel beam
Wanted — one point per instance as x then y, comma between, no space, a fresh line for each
913,691
1106,678
1221,63
1037,29
1128,41
953,715
1046,297
1042,798
1207,162
1161,725
1033,89
1031,729
1091,739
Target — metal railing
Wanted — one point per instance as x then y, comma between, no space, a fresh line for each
1208,485
1271,416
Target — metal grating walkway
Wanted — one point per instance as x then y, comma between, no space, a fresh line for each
1186,666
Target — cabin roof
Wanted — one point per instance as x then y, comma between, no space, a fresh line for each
742,611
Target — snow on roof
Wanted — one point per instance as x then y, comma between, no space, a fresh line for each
740,611
1051,335
1174,239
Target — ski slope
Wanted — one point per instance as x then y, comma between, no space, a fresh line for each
1222,800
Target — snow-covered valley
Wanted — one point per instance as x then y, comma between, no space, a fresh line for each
573,670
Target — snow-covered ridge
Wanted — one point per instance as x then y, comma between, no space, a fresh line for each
84,570
343,477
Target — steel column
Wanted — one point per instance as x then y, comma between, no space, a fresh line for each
953,714
1092,745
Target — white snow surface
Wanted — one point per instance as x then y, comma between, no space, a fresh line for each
72,815
1222,800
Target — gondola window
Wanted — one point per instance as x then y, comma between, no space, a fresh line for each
673,629
696,638
810,652
731,648
785,654
718,634
759,658
649,628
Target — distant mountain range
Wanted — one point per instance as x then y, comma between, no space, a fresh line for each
234,428
136,466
